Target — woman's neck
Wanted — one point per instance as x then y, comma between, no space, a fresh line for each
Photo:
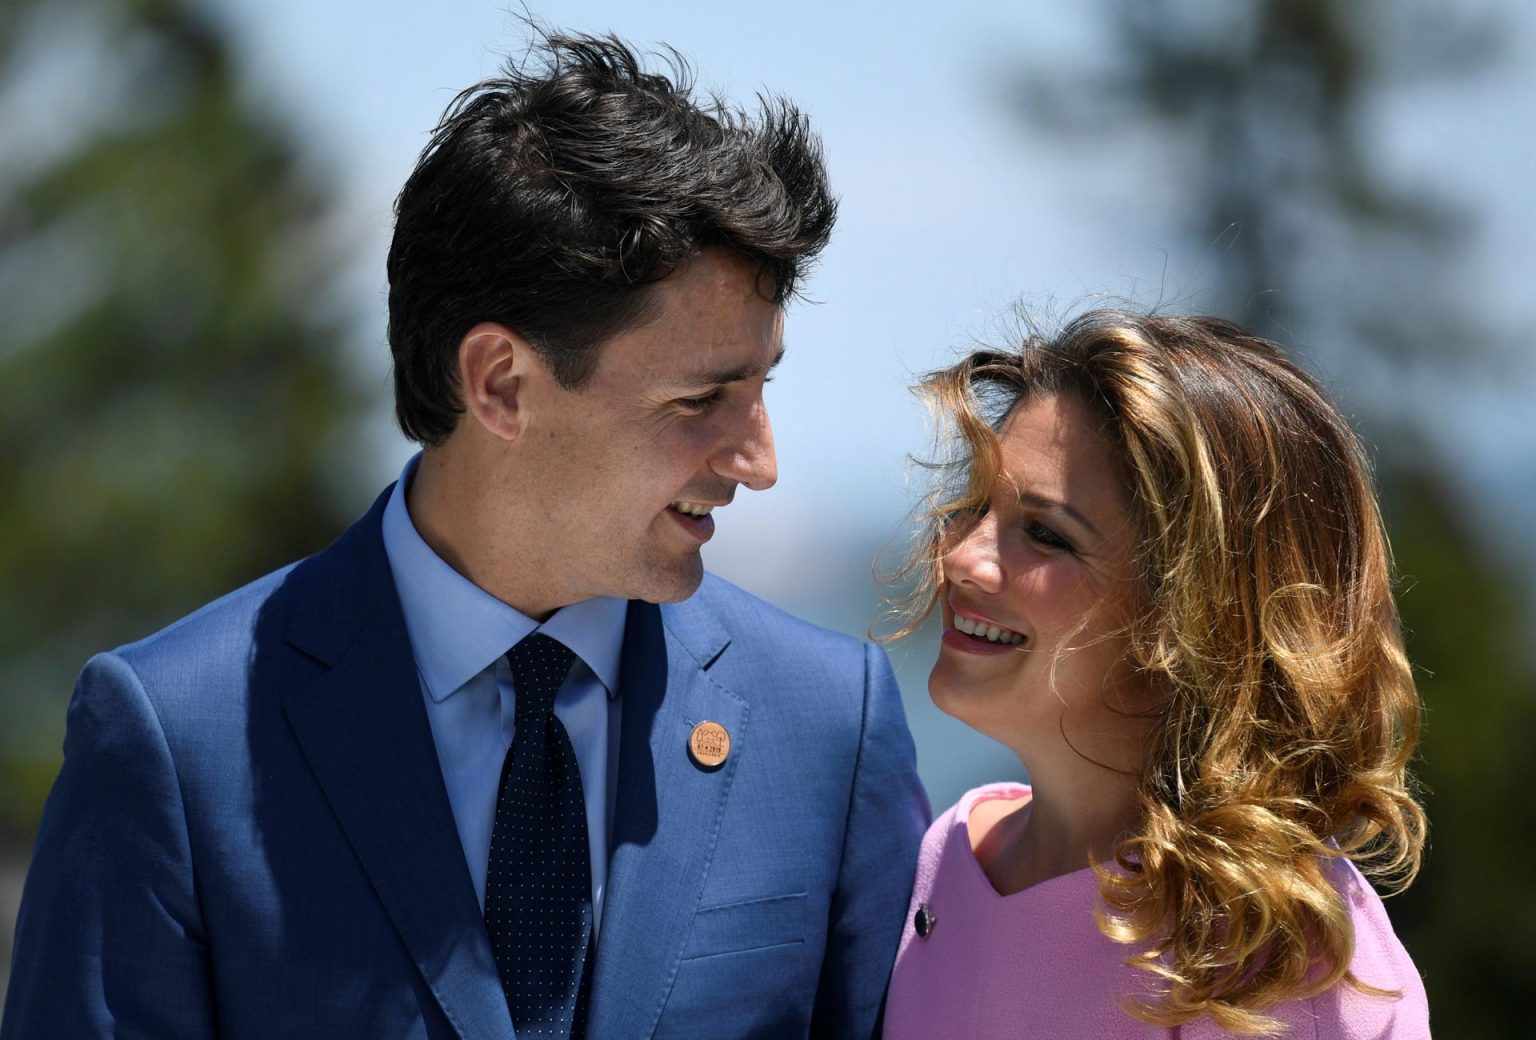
1074,817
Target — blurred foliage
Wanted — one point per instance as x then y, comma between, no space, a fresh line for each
1264,111
1468,918
172,386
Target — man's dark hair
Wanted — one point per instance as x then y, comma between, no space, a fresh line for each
551,199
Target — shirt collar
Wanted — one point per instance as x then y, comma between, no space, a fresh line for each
457,629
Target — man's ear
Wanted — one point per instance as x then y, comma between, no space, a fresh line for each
495,364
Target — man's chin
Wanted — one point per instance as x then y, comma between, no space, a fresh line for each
674,584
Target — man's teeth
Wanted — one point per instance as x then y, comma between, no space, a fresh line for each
692,508
991,633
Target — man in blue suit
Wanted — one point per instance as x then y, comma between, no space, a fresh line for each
503,760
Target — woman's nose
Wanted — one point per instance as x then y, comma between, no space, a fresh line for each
973,558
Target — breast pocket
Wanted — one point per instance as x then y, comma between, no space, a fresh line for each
749,969
754,924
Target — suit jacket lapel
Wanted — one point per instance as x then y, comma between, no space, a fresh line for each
360,720
668,813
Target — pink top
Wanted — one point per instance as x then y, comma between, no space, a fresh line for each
1034,963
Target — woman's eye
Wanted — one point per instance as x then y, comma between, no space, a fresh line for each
1043,535
958,521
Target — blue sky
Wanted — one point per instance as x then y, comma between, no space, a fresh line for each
950,211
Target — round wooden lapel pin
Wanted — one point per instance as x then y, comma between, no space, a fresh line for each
709,745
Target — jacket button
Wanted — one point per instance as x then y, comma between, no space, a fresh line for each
924,920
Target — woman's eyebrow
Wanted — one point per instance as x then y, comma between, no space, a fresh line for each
1034,500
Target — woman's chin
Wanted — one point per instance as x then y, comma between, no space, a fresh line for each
959,696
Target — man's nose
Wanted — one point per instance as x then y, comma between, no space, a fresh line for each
748,457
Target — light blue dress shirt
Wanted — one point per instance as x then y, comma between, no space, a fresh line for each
460,635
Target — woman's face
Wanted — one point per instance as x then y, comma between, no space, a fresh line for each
1047,568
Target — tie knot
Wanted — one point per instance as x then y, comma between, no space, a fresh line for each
539,665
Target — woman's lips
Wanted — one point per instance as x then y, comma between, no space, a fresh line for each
976,635
955,639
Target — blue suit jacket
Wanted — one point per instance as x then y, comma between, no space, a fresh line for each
250,835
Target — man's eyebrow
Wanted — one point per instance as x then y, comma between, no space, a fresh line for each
719,377
1037,501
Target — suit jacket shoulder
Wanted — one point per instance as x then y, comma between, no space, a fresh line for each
205,651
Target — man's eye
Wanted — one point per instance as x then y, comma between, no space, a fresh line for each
700,404
1042,535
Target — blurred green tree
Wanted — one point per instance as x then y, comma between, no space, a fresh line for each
174,395
1261,114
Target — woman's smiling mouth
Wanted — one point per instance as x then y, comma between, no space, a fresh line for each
975,636
991,633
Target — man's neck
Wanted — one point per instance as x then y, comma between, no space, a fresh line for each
464,514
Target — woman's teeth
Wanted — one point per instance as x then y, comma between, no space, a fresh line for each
692,508
991,633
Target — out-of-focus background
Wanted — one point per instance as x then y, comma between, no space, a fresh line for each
194,385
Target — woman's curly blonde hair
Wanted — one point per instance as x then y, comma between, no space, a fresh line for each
1266,626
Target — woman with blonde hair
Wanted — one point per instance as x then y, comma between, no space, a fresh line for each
1165,586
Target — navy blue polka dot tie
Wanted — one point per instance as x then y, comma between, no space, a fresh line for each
538,885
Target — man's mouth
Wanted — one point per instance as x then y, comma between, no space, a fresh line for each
694,518
981,630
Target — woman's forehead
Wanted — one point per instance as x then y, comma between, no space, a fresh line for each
1055,437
